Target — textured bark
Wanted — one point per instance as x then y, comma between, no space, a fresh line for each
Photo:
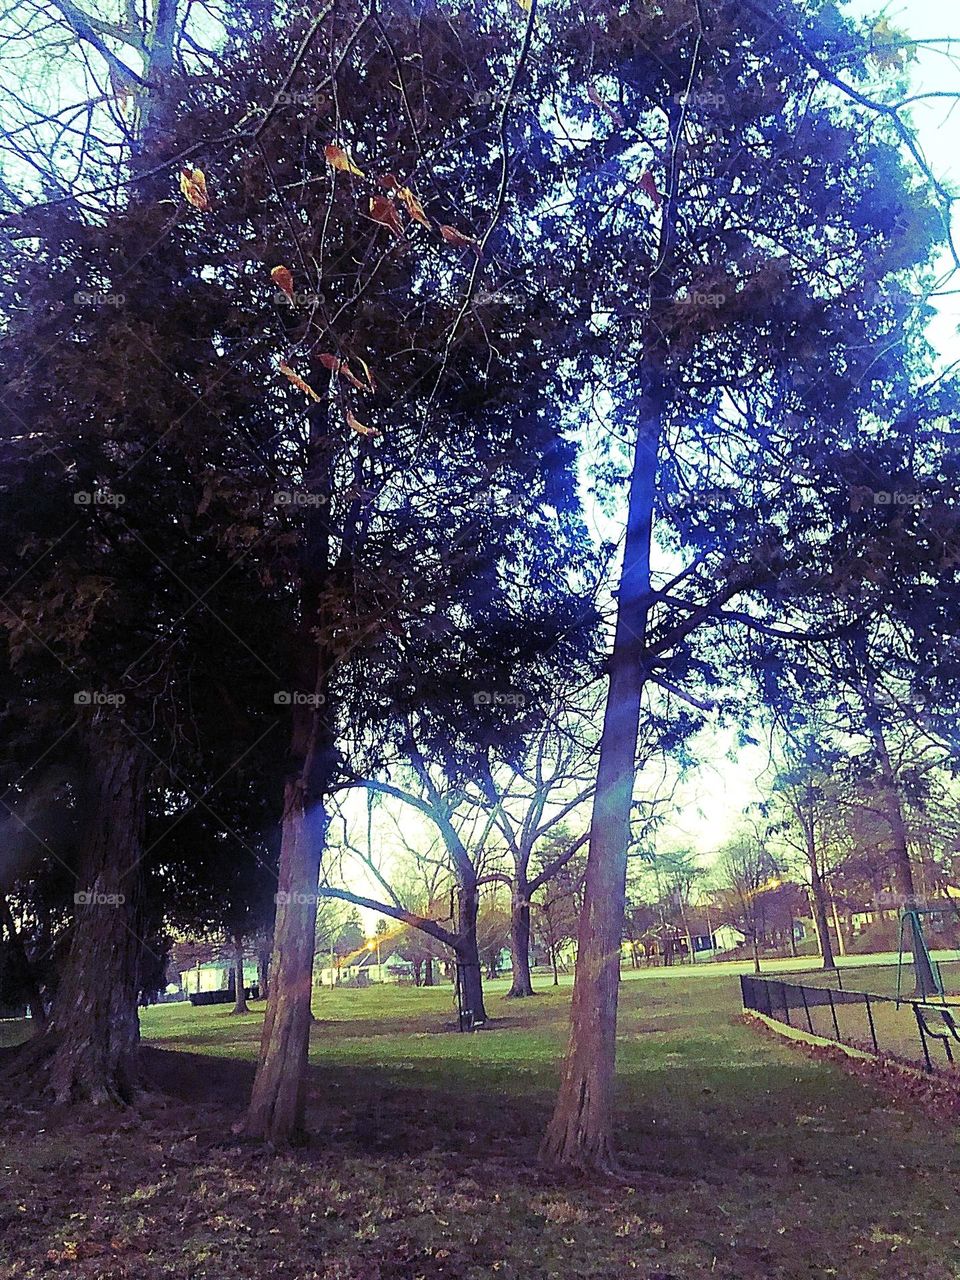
278,1100
263,972
819,895
521,984
88,1049
579,1135
468,953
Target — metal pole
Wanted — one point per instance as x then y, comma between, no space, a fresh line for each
873,1030
806,1008
833,1010
923,1037
786,1007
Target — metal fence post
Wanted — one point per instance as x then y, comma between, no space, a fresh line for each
923,1036
833,1010
786,1007
873,1030
806,1008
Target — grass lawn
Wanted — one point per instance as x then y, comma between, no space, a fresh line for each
748,1161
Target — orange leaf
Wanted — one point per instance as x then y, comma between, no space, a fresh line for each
453,236
384,211
340,366
283,279
407,198
194,187
371,383
360,429
299,383
648,185
337,158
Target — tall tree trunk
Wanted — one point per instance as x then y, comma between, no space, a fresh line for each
841,945
88,1049
901,868
580,1132
553,962
239,988
521,984
25,975
468,953
263,972
819,895
278,1100
756,953
428,972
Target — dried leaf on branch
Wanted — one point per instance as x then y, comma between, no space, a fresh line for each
338,159
341,367
282,277
359,427
384,211
193,184
299,383
407,198
453,236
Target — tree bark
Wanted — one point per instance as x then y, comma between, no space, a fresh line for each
239,989
277,1103
580,1132
263,973
521,984
87,1052
428,972
841,945
902,871
468,953
819,895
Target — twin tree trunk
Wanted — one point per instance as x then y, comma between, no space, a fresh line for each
88,1049
521,984
579,1135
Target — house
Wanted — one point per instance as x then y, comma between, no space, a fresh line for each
363,968
710,937
214,975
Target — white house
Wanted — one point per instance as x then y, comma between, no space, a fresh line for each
215,975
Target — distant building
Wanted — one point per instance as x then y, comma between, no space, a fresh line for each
214,975
363,970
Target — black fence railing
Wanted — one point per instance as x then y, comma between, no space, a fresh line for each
913,1031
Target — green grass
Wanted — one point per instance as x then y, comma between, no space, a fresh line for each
748,1160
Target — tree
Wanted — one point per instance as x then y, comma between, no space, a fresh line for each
556,912
532,804
745,872
747,343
